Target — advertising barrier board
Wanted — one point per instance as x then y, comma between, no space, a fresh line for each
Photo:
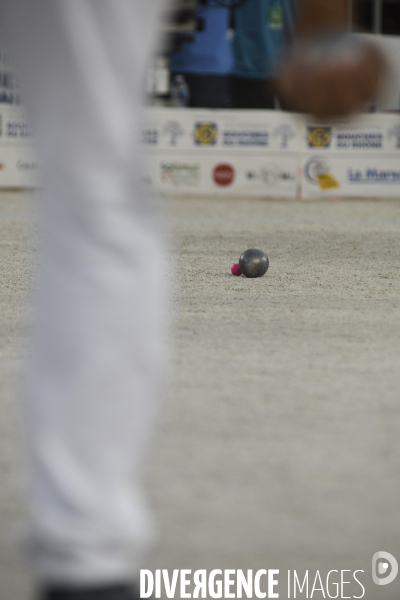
227,152
271,154
18,165
360,157
241,153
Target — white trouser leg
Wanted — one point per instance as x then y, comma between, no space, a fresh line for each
97,353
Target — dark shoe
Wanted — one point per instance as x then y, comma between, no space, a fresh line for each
116,592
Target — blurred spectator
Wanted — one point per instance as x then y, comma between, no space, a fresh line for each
206,61
262,29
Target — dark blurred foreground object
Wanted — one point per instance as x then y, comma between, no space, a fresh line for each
331,75
328,73
119,592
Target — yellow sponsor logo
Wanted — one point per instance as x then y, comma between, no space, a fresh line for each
327,181
205,134
318,170
319,137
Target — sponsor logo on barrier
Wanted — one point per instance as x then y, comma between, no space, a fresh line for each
205,133
374,175
286,133
18,129
223,174
149,137
174,130
319,137
318,171
177,174
360,140
246,138
27,165
394,132
270,174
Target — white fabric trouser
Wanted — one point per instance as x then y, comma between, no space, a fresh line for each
93,394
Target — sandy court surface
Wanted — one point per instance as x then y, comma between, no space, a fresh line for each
279,446
17,257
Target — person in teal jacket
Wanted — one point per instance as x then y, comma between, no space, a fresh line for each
262,30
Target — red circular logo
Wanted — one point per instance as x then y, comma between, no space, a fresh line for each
224,174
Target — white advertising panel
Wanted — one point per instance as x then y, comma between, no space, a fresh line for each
360,157
18,165
229,175
254,153
242,153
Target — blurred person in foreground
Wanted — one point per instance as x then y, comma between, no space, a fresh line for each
94,387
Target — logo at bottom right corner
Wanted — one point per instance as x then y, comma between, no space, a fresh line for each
318,171
384,568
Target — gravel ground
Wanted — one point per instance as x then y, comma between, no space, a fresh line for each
279,444
17,259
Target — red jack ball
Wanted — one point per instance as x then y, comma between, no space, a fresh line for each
236,270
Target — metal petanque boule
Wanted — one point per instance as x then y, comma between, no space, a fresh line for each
253,263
